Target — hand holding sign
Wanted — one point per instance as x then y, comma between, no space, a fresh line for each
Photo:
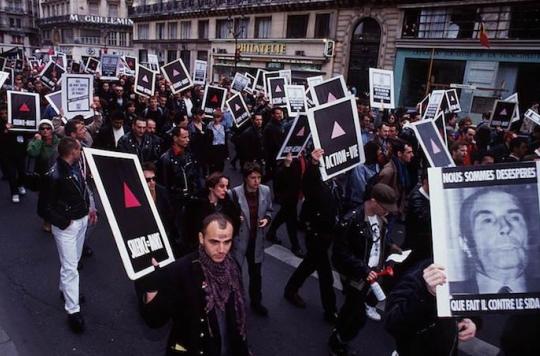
434,276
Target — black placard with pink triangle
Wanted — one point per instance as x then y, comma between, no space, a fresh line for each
502,114
432,143
239,109
297,138
329,90
277,94
23,111
145,81
214,98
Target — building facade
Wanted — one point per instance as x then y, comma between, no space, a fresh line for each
18,25
87,28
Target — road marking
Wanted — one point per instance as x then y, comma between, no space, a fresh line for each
472,347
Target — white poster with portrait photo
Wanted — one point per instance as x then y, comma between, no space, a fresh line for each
199,72
240,83
381,88
486,234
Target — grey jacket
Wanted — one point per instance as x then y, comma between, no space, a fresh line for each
240,243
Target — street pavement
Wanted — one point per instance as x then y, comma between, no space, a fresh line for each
33,321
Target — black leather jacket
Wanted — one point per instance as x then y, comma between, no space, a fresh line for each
66,199
147,151
180,175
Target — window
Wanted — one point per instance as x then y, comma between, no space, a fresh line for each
123,36
16,23
202,55
111,39
263,27
172,30
16,39
222,28
322,26
297,26
93,8
143,31
90,36
46,34
171,55
524,23
186,58
160,31
410,23
185,29
241,27
203,29
143,56
113,10
67,35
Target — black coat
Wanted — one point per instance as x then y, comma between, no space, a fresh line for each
288,182
147,151
181,298
180,175
105,138
274,134
250,145
65,198
418,227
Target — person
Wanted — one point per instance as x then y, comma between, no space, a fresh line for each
250,143
138,142
381,138
518,149
217,149
155,112
68,202
213,199
255,201
411,315
467,135
319,214
199,139
109,135
499,241
43,148
359,252
273,136
361,175
458,150
202,294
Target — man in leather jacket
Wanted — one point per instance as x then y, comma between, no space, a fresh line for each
359,251
138,142
68,201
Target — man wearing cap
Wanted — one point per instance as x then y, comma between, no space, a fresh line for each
359,252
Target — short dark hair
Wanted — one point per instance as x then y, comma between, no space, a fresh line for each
516,142
71,126
138,118
176,131
213,179
66,145
398,145
456,145
250,167
221,219
149,166
117,115
277,108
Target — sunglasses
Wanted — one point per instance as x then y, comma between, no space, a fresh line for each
148,179
43,128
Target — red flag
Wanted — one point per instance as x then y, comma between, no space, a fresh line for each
482,35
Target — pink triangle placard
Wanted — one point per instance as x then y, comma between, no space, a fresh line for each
337,131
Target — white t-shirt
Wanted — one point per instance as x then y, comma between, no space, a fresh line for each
117,134
375,253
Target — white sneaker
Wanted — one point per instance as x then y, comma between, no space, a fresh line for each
15,198
395,353
22,191
372,313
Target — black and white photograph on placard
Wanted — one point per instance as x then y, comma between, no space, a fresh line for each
432,143
75,67
55,100
296,100
276,91
486,234
297,138
266,76
381,88
131,62
23,110
329,90
77,95
175,72
287,74
258,84
92,65
514,98
239,109
19,65
145,81
434,104
240,83
132,214
214,98
51,74
452,101
502,114
335,128
533,116
199,72
109,67
153,62
60,59
251,78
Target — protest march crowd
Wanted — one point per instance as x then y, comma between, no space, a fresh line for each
351,223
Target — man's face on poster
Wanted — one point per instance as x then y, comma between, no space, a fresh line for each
500,234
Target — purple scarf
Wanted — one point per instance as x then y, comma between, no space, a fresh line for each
222,279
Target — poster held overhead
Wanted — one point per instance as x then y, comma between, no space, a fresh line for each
55,100
145,81
51,74
287,74
109,67
134,220
266,76
276,92
533,116
432,143
258,84
297,138
381,88
434,104
296,100
92,65
251,78
131,62
4,76
452,101
240,83
239,109
175,72
486,230
311,81
336,129
422,105
23,111
329,90
514,99
199,72
502,114
77,95
153,63
213,99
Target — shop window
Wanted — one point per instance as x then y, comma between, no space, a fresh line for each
222,28
172,30
143,30
322,26
297,26
263,27
185,29
203,29
525,22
